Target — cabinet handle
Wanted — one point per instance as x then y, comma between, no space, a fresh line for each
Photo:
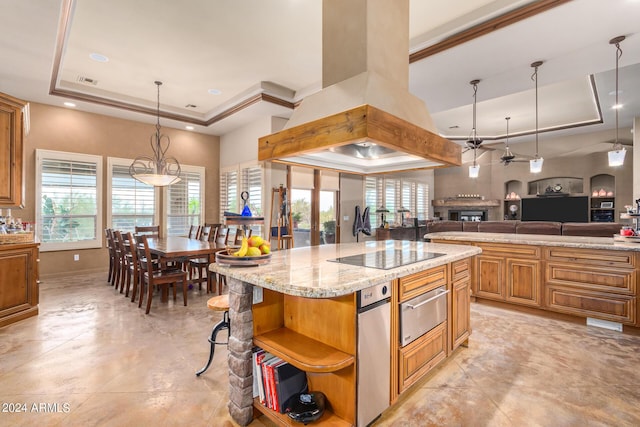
428,300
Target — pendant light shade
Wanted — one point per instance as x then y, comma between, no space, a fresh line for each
616,156
473,141
157,170
535,165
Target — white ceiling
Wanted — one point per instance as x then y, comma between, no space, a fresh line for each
256,47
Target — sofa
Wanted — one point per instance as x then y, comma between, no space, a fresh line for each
589,229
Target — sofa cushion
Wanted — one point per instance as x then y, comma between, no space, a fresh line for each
539,227
591,229
436,226
470,225
497,226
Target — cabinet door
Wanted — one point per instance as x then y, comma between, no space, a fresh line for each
18,285
11,188
490,277
460,312
422,355
523,281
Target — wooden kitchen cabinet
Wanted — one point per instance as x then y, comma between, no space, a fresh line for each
422,355
587,283
11,151
18,282
509,273
460,306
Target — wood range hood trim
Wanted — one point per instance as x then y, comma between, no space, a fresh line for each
297,145
364,99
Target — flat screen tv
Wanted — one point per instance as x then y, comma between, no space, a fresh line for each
561,209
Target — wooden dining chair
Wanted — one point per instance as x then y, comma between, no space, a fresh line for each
112,254
162,277
117,268
147,230
194,232
201,264
123,261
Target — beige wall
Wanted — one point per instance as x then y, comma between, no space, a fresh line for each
493,176
63,129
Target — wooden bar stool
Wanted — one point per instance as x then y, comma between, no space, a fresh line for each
217,303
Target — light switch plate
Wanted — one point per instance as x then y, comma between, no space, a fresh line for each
346,217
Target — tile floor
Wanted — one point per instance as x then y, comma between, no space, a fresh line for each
92,358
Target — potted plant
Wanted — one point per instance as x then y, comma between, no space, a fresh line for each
296,217
330,231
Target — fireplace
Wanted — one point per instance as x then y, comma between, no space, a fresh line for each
468,215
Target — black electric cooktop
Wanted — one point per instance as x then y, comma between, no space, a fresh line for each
387,259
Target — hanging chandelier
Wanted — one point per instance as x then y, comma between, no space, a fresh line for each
616,156
473,141
535,165
157,170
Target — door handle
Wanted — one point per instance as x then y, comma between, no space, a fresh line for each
428,300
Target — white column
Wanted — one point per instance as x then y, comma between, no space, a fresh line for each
636,158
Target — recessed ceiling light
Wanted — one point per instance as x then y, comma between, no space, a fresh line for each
98,57
189,127
69,104
214,91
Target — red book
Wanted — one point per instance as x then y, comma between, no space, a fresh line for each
272,379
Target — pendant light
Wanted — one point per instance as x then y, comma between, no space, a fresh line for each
535,165
158,170
616,156
473,141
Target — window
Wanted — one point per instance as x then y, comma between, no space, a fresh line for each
132,203
394,194
373,199
68,200
228,192
185,201
236,179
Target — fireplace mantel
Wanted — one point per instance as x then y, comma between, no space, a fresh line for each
466,203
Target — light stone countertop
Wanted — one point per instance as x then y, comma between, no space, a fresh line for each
307,272
536,239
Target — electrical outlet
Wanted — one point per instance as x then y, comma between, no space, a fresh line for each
257,294
76,257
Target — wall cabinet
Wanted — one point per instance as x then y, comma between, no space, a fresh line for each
11,151
18,282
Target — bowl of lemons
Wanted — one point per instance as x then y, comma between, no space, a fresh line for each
252,251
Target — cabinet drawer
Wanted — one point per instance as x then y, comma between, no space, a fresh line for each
460,269
419,283
600,305
419,357
511,250
592,257
622,281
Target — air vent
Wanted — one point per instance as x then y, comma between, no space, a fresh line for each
87,80
190,106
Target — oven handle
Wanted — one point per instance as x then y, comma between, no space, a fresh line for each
428,300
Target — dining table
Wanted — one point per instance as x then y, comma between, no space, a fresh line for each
181,249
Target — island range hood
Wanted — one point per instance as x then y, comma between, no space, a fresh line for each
364,120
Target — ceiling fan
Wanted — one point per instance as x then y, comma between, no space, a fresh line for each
508,157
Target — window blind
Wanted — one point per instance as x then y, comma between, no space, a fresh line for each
184,203
69,200
252,180
132,202
228,192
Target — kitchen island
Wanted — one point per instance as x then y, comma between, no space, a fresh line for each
308,317
589,277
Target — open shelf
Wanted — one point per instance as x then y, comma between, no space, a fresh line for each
327,419
303,352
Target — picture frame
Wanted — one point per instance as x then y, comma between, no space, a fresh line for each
606,205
